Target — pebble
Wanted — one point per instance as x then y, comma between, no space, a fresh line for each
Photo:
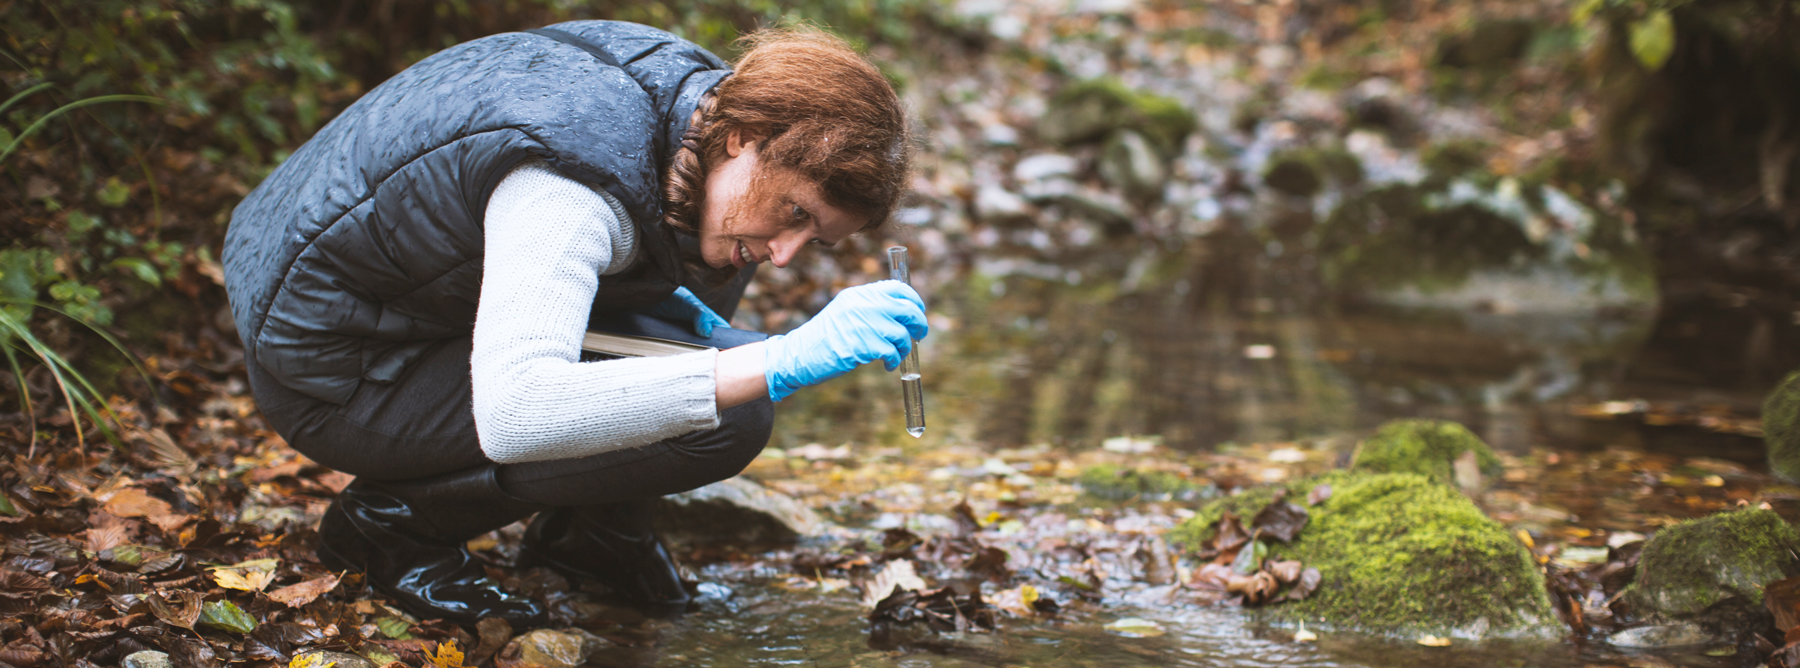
147,659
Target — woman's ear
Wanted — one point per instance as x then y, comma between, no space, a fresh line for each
737,142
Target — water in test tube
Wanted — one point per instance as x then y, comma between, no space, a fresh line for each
911,389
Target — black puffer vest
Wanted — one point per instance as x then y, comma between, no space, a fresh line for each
364,248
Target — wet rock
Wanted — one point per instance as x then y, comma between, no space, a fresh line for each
994,204
1711,570
545,648
1399,554
340,659
1781,428
1097,205
146,659
1089,111
1680,634
1045,166
1426,447
1293,176
1132,166
737,512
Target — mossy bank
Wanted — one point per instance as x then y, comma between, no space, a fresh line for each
1399,554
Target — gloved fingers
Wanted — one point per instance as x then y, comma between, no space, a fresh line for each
893,343
705,321
895,290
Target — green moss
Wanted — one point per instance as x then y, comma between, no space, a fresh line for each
1695,565
1088,111
1303,172
1400,554
1781,427
1117,483
1425,447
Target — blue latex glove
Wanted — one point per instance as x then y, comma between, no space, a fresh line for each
877,321
686,307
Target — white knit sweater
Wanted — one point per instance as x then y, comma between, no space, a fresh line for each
550,241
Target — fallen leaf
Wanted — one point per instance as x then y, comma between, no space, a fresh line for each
106,531
312,660
1250,558
493,633
227,616
1309,581
447,655
178,607
1280,520
252,575
1284,571
1783,600
1318,495
296,595
1018,601
897,575
1434,641
1134,627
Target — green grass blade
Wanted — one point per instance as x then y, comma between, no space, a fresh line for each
22,95
45,119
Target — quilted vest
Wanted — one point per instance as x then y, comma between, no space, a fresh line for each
364,248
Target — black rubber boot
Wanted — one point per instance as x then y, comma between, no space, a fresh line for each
614,545
407,539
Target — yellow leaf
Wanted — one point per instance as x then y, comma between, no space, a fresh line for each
252,575
447,655
1434,641
312,660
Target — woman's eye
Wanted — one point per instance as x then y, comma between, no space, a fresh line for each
800,214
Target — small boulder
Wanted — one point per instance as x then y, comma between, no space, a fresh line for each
995,205
1426,447
1781,428
736,512
1712,570
1399,554
1089,111
339,660
1130,164
147,659
546,648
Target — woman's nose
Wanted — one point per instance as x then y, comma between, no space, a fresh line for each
784,247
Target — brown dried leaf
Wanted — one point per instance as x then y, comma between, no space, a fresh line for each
1318,495
1309,581
1783,600
1284,571
178,607
1255,588
134,502
106,530
494,632
296,595
1230,538
1280,520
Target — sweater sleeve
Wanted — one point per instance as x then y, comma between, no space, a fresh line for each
549,239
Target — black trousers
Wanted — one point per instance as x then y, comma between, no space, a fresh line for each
421,426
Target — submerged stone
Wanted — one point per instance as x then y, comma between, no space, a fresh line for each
1712,570
1781,428
1399,554
147,659
1679,634
1425,447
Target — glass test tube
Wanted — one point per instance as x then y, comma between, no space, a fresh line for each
911,388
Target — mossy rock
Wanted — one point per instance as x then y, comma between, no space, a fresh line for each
1089,111
1303,173
1713,569
1425,447
1399,554
1781,428
1118,483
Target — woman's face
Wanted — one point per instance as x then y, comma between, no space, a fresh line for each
753,214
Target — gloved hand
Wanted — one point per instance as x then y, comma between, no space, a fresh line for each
877,321
686,307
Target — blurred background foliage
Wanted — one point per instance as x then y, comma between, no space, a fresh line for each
116,210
